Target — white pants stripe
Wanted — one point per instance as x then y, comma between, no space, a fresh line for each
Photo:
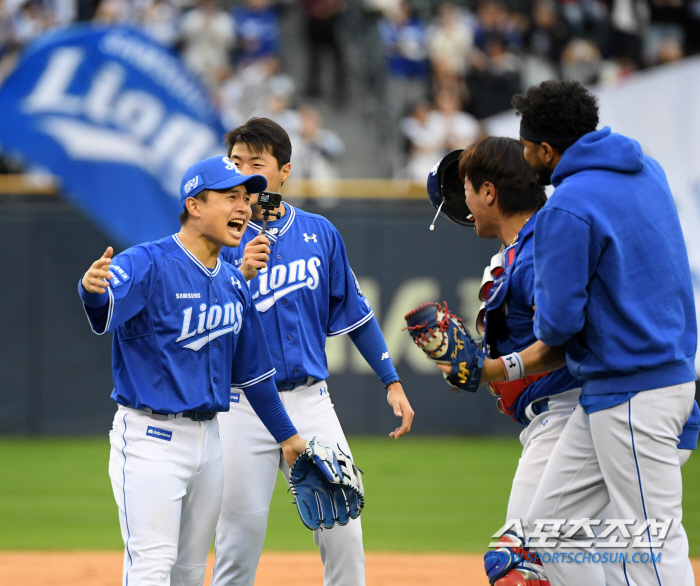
252,459
167,478
627,456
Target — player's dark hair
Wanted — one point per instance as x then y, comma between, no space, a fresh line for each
184,214
501,161
260,135
557,109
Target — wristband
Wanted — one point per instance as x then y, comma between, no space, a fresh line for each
513,366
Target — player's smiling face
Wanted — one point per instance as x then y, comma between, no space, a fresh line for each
481,206
225,214
263,163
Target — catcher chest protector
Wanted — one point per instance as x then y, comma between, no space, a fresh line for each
446,190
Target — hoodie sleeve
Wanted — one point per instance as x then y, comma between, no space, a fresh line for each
566,254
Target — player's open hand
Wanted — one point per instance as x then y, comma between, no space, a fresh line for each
402,408
255,256
98,273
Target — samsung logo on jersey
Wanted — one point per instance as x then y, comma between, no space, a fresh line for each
283,279
229,315
188,295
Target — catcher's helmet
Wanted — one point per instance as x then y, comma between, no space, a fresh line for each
446,191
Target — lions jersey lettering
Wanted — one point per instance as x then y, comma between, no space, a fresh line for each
210,321
174,310
306,293
294,275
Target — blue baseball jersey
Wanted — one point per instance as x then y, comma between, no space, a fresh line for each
183,333
509,318
306,293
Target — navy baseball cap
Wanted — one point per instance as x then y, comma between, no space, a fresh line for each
217,173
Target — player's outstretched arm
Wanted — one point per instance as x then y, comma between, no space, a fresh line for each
94,279
536,359
368,339
402,408
255,256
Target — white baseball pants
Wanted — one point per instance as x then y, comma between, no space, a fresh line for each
252,459
167,477
615,574
538,440
626,456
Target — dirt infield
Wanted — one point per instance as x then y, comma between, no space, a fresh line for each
276,569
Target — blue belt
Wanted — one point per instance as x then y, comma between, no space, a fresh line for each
308,381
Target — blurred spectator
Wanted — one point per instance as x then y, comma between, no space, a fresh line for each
257,30
315,150
692,27
549,33
450,41
581,61
628,19
208,36
403,37
670,50
248,90
545,41
158,19
113,12
422,145
432,133
494,78
63,12
667,22
323,20
587,18
29,22
494,21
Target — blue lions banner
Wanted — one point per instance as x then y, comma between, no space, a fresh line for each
117,117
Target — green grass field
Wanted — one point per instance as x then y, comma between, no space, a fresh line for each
423,494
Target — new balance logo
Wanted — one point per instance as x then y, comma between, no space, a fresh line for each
307,237
385,356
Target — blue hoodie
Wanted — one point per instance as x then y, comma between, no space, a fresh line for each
612,278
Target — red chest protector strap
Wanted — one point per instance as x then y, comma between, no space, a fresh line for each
510,392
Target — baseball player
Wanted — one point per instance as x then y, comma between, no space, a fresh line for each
503,199
304,290
615,303
185,330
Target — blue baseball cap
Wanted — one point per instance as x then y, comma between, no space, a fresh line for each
217,173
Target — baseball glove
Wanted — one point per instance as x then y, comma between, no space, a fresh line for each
445,340
327,487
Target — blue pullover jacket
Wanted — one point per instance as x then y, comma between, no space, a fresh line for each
612,278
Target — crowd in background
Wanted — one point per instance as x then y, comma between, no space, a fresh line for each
432,69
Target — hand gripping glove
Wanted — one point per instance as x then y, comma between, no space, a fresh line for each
445,340
514,565
327,487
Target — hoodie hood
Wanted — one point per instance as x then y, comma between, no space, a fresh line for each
600,149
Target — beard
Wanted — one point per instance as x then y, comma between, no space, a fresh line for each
544,175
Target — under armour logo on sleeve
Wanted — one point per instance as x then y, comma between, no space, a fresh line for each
307,237
235,282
